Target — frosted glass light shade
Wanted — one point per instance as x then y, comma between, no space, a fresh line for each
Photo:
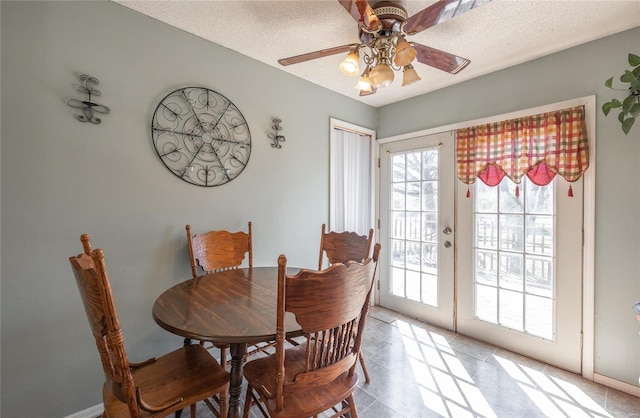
351,65
405,53
409,75
381,75
364,84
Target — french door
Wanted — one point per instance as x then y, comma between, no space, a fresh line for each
417,228
498,267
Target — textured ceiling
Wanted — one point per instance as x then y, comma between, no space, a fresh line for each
494,36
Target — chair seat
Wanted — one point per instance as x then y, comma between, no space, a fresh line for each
189,373
311,402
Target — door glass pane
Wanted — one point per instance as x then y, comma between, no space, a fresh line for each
397,224
398,253
540,199
540,234
414,225
509,202
430,195
514,256
413,196
413,230
397,281
413,256
487,303
429,227
487,267
539,275
430,282
398,167
511,232
486,198
510,308
413,285
538,316
429,258
398,196
486,231
413,166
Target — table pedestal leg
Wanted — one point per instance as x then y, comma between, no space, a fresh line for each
238,351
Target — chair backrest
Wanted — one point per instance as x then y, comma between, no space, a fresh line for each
344,246
90,271
219,250
331,307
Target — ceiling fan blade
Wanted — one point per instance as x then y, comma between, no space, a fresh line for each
362,12
438,13
317,54
441,60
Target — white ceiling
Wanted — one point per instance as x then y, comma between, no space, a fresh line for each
494,36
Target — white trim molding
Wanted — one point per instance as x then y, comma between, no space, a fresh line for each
91,412
616,384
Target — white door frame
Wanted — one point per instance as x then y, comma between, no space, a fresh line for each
588,248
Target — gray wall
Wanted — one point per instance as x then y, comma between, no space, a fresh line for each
577,72
62,178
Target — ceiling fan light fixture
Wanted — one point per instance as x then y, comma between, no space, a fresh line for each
409,75
381,75
383,28
405,53
351,64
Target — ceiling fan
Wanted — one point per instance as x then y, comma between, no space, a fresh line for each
383,29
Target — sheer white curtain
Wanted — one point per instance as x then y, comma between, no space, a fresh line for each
351,177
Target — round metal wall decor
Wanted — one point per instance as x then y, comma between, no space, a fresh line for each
201,136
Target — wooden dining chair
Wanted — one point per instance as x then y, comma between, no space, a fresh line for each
318,375
220,250
157,387
341,247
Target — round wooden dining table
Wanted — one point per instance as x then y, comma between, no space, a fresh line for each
235,307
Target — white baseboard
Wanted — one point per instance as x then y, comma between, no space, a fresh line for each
616,384
92,412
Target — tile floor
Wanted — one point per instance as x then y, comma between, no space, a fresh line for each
418,370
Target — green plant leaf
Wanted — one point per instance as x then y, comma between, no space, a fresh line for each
636,71
634,60
628,103
627,77
627,124
606,108
621,116
609,83
635,110
615,103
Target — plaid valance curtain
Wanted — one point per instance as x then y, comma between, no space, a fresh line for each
538,146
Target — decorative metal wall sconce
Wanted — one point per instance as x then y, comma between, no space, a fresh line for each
275,137
88,107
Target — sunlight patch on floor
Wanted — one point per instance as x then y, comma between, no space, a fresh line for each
553,396
445,386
